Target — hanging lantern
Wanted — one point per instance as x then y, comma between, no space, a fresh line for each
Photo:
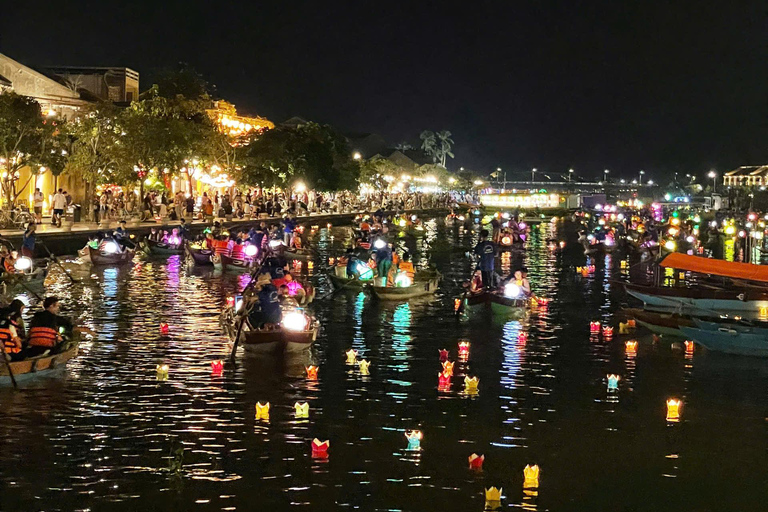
262,411
351,356
320,449
162,372
302,409
164,328
470,385
312,372
414,439
613,382
594,327
443,355
217,367
476,461
673,410
531,477
448,368
443,381
364,365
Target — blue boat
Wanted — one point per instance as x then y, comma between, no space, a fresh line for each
730,338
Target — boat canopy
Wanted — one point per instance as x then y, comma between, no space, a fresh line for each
746,271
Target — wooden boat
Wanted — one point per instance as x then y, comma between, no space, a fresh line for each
271,338
660,323
84,254
426,284
496,303
39,366
35,278
199,255
297,254
730,339
101,257
230,264
152,248
300,341
340,280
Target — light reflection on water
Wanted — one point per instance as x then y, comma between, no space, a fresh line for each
106,431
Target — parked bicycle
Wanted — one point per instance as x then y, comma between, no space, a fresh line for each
15,218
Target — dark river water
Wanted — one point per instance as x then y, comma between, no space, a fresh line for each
106,434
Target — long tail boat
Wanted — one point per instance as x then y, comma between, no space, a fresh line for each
39,366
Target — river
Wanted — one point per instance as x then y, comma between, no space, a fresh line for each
106,434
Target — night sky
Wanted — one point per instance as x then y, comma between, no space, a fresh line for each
667,86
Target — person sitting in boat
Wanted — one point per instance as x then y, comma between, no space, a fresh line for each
365,226
121,236
12,329
353,264
216,229
8,259
476,283
522,281
46,328
267,308
172,239
154,235
284,296
406,266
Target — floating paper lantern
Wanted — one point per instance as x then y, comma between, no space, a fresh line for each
302,409
594,327
464,348
230,302
164,328
476,461
414,439
623,328
456,304
443,381
613,382
608,332
448,368
631,323
493,494
312,372
363,364
631,347
217,367
522,337
443,355
689,346
262,411
531,477
320,449
351,356
470,384
673,410
162,372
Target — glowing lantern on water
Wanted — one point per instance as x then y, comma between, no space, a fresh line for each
456,304
414,439
403,281
363,365
164,328
476,461
217,367
522,337
312,372
448,367
493,494
624,264
594,327
531,477
631,323
262,411
689,346
302,409
443,355
251,251
294,321
320,449
673,410
607,332
464,349
613,382
351,356
162,372
631,347
470,384
624,328
230,302
443,381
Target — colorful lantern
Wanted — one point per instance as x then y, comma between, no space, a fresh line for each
673,410
162,372
302,409
522,337
476,461
320,449
448,368
594,327
631,347
414,439
463,349
164,328
689,346
351,356
531,477
608,332
493,494
363,364
631,323
443,381
312,372
443,355
230,302
217,367
262,411
470,384
456,304
613,382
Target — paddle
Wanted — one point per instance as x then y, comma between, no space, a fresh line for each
56,261
7,359
355,280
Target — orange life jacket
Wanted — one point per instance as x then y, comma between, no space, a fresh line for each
222,247
395,259
407,267
8,265
10,344
43,337
238,252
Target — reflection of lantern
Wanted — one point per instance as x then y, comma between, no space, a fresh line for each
351,356
522,337
470,384
673,410
320,449
162,372
531,475
230,302
443,381
217,367
414,439
363,364
607,332
631,347
464,348
443,355
311,372
456,304
505,240
476,461
164,328
689,347
594,327
302,409
613,382
262,411
448,368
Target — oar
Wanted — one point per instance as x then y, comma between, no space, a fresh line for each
7,359
355,280
56,261
30,290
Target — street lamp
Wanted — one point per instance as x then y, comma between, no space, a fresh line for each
533,175
713,175
605,172
640,180
357,155
570,174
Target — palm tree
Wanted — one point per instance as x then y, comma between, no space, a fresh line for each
446,142
429,144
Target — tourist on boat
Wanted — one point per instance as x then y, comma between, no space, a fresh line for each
8,259
267,308
406,266
28,241
496,229
12,329
184,230
383,257
46,328
485,250
121,236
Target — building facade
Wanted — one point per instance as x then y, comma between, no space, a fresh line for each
118,85
747,176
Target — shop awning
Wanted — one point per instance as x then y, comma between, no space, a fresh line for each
745,271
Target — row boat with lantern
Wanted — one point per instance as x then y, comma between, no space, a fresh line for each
39,366
494,302
154,248
198,254
424,283
730,338
110,254
296,332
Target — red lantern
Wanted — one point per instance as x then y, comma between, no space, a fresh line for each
320,449
689,347
607,332
522,337
164,329
217,367
230,302
448,368
464,349
312,372
443,355
594,327
476,461
443,381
